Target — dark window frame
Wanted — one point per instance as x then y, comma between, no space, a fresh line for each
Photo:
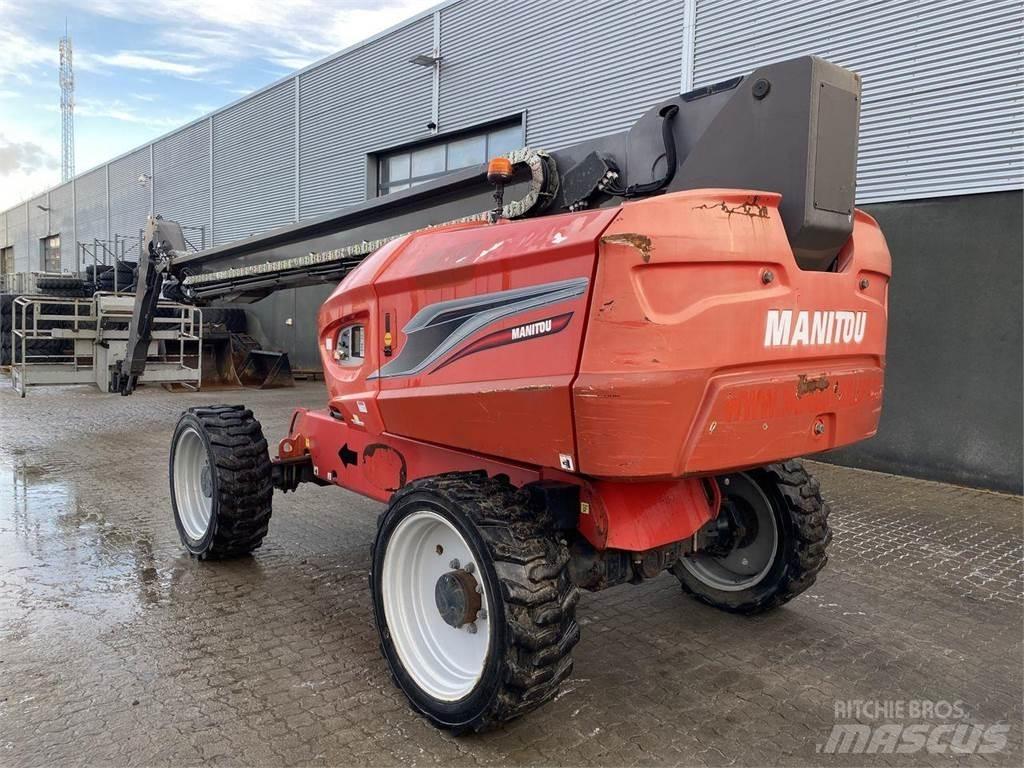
381,185
46,249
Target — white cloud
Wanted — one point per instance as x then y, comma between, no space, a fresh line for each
26,168
218,42
20,55
288,33
164,64
23,156
115,109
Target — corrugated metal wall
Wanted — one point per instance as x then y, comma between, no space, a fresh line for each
181,177
942,110
582,72
366,100
129,197
38,228
254,164
91,200
17,231
62,223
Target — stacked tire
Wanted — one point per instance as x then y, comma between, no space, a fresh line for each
123,275
6,313
63,286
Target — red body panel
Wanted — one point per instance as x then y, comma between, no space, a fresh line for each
509,400
666,338
676,377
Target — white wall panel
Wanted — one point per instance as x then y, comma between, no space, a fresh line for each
579,69
366,100
38,228
62,223
17,222
181,178
129,200
91,203
942,111
254,164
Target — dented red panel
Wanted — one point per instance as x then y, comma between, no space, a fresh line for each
704,334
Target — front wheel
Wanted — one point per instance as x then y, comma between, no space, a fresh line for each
472,600
767,544
221,487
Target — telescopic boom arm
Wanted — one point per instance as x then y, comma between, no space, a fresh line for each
788,128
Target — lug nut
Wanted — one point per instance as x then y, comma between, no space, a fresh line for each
481,614
454,564
471,628
469,568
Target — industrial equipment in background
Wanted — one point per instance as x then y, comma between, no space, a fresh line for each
565,370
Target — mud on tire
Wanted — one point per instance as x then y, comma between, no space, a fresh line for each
801,517
532,601
240,485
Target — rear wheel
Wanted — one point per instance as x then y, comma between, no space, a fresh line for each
221,488
768,542
472,600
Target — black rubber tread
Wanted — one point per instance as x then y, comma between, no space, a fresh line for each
95,270
59,283
539,600
243,485
805,536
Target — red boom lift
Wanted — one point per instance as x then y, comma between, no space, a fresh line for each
603,379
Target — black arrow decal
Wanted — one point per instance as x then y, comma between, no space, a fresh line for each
348,456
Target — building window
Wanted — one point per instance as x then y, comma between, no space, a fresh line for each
414,165
50,247
7,260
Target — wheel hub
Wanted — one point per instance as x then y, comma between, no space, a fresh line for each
739,546
457,597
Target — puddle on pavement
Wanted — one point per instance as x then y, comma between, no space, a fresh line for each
61,560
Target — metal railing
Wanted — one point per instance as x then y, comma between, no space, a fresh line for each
25,282
69,340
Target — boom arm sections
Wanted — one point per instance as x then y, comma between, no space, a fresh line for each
788,128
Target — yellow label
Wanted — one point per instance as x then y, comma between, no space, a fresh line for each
584,508
387,339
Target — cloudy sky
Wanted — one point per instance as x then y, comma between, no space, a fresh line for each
142,69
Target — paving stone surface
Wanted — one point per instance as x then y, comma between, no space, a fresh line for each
116,648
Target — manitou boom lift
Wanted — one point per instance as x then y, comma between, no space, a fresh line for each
600,374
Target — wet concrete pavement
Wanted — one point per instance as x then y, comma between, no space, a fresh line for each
118,649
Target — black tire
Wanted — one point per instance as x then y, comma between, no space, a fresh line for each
241,490
46,284
93,271
801,518
532,625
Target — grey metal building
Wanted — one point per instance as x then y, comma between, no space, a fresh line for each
941,165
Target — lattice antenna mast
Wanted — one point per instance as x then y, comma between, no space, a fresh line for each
67,109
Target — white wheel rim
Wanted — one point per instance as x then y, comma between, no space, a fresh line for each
193,493
444,661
